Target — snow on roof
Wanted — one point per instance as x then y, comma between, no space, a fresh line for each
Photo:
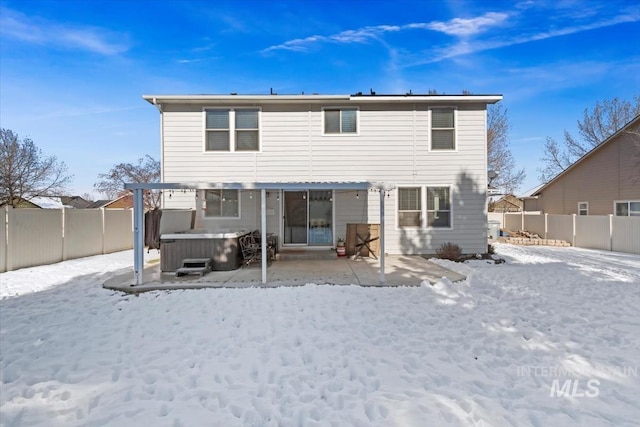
47,202
531,192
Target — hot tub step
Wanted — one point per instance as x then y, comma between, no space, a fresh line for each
199,266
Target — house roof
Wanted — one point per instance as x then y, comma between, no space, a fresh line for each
75,202
125,200
47,202
306,99
531,192
98,204
634,121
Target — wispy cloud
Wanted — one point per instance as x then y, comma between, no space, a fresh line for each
462,27
468,33
456,27
465,47
360,35
17,26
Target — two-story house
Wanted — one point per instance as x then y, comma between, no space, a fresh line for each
323,159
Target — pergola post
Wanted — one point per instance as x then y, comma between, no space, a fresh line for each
382,194
263,226
138,236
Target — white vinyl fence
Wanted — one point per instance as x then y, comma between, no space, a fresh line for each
608,232
33,237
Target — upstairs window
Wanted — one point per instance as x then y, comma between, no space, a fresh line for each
443,131
232,130
340,121
222,204
247,130
583,208
217,125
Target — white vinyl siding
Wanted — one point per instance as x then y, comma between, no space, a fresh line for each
583,208
339,121
232,129
389,147
222,204
443,131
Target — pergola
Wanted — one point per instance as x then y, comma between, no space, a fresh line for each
138,210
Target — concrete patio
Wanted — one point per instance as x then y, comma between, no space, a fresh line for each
402,270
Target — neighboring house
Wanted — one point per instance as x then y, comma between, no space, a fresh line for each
322,158
21,203
604,181
123,202
47,202
98,204
75,202
506,203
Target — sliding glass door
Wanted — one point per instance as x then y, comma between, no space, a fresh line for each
308,218
320,216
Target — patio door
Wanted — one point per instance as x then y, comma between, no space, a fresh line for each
308,218
295,218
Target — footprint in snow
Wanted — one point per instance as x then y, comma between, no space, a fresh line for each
164,410
236,411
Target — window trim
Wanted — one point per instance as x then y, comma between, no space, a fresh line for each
232,129
455,129
585,209
204,207
423,206
628,202
340,134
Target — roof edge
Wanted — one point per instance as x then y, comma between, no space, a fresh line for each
192,99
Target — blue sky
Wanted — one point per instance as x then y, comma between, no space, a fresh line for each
72,72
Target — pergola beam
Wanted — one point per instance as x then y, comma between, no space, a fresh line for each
250,185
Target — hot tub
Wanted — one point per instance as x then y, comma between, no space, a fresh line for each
222,247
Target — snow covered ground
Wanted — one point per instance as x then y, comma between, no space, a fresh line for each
551,338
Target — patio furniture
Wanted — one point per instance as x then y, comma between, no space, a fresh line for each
251,246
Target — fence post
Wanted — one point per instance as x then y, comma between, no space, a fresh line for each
546,230
64,233
5,250
103,228
573,238
522,221
610,232
9,260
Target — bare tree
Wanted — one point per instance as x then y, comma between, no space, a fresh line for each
500,159
146,170
606,118
25,172
88,196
